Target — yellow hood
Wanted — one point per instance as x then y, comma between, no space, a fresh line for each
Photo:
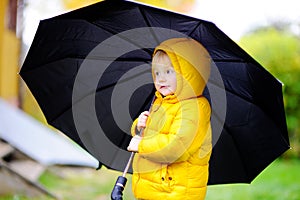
191,62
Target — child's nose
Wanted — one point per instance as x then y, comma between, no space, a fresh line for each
161,79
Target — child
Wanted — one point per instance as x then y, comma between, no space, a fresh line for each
175,146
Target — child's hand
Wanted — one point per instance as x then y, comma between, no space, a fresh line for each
142,120
134,143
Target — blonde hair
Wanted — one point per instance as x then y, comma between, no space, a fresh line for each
161,57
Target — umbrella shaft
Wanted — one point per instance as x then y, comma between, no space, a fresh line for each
132,153
128,164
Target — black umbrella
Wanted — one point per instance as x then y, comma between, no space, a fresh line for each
89,71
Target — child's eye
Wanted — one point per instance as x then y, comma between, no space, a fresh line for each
169,71
157,73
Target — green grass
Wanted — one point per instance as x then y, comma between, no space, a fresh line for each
78,183
280,181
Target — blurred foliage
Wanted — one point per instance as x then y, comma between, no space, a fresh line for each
278,50
175,5
75,4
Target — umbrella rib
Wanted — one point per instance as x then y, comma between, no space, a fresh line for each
97,90
123,80
122,37
148,24
229,60
196,27
225,127
230,91
235,144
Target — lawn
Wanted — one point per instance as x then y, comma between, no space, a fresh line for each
280,181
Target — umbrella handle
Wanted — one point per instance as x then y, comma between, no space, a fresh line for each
117,192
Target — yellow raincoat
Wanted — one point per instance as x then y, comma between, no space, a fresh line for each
172,159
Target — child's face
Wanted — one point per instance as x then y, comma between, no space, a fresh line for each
164,77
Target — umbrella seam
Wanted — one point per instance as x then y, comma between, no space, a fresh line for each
235,144
148,23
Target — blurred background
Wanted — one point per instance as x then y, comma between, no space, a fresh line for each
268,30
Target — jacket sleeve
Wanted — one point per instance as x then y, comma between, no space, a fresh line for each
186,135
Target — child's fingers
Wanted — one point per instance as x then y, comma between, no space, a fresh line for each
143,117
146,113
142,124
142,120
134,143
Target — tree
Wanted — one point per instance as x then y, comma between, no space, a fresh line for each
278,50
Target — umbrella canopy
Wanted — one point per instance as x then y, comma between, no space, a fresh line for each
90,72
